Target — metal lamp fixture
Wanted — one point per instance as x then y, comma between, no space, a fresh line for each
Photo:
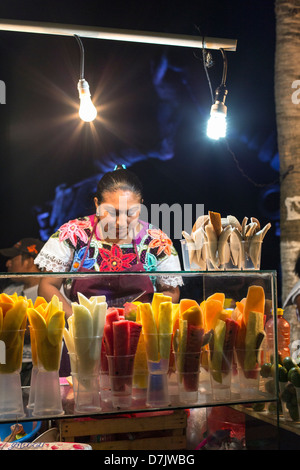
216,127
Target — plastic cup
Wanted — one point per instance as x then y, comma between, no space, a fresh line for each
249,372
249,382
190,255
220,369
47,400
87,396
188,375
220,385
120,375
88,355
105,390
34,372
11,399
157,390
234,255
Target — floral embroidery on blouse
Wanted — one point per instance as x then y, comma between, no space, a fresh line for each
65,249
78,256
161,241
150,262
115,260
73,229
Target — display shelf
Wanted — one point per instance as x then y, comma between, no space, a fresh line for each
138,405
197,285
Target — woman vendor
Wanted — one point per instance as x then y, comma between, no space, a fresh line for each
112,239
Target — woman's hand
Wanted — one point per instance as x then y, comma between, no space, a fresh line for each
170,291
50,286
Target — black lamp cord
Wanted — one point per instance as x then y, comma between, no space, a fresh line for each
81,56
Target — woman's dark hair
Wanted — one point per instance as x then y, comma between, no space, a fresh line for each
297,267
119,179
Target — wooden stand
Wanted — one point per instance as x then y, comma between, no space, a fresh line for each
142,431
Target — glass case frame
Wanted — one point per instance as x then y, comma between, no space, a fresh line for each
197,285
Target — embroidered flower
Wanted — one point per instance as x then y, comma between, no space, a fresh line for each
160,240
88,262
114,259
150,262
73,229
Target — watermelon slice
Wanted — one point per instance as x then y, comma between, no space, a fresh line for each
120,338
104,363
231,331
192,359
130,311
134,336
112,315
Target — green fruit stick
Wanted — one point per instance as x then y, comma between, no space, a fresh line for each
253,331
69,341
98,315
83,321
217,353
88,303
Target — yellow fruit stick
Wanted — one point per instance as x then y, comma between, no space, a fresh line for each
157,299
185,304
213,309
149,331
1,319
165,329
218,296
255,301
38,323
194,316
55,327
14,317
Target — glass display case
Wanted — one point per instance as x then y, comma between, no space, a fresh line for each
226,357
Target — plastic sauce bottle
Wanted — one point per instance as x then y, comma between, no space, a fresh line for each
283,335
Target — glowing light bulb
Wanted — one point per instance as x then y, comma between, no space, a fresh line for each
216,126
87,111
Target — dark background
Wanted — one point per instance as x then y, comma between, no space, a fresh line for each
153,104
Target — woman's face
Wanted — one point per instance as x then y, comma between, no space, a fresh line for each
118,212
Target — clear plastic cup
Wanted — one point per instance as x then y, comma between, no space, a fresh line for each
120,374
188,375
47,400
87,398
11,399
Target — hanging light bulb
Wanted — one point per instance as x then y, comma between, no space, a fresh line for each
216,126
87,111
